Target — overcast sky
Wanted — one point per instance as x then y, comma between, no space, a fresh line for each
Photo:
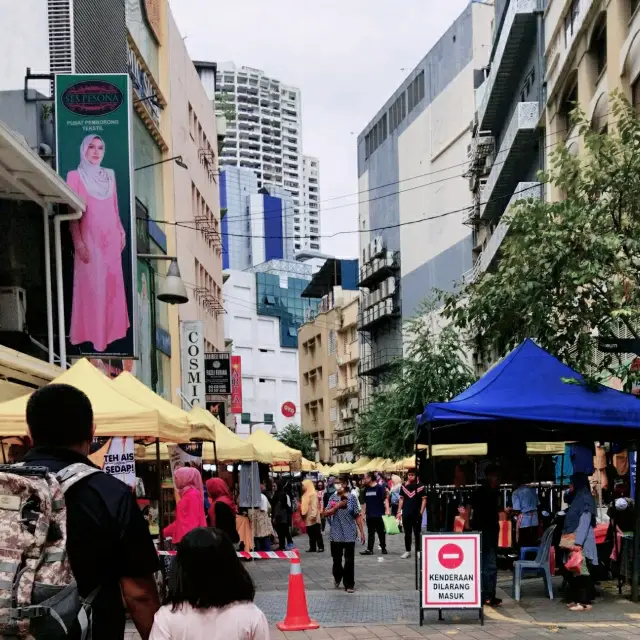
347,57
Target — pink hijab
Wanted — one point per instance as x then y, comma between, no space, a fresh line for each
188,478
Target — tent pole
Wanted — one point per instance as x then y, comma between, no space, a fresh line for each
160,502
215,457
635,579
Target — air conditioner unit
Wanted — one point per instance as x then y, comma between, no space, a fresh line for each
389,306
378,246
488,163
343,414
376,296
384,290
13,309
482,183
391,286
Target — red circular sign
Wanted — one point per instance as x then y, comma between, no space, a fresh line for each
450,556
288,409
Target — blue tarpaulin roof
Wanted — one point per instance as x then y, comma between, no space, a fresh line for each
528,386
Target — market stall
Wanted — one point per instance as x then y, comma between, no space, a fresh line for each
529,396
267,445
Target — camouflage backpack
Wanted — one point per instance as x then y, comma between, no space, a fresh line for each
38,594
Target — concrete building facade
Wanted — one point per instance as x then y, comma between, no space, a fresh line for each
329,359
265,308
196,195
411,166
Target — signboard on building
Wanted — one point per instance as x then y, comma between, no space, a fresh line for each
141,79
218,410
93,151
288,409
236,384
192,349
217,371
451,571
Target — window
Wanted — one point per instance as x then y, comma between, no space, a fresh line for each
567,105
332,342
397,112
599,43
332,381
415,91
271,300
376,136
571,21
333,414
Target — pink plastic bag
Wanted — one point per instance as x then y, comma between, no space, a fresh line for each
574,563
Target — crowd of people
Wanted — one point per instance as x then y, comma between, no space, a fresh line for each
114,559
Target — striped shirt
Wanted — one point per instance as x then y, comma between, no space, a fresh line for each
343,521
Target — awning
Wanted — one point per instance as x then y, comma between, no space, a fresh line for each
25,176
200,427
21,368
306,465
114,414
268,445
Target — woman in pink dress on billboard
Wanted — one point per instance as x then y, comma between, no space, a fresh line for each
99,312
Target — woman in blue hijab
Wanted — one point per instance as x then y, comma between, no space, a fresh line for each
580,522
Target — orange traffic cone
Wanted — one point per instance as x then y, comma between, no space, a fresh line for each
297,618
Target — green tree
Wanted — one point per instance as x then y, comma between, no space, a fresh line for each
434,369
568,270
293,436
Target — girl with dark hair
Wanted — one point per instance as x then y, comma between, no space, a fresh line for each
203,607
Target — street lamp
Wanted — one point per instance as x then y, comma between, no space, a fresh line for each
316,453
173,290
178,160
274,430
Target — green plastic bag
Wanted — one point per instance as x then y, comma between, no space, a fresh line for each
390,525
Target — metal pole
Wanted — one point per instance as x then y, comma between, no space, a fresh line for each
160,503
215,456
47,281
635,581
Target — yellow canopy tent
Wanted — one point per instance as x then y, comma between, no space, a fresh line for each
129,386
267,445
114,413
359,464
306,465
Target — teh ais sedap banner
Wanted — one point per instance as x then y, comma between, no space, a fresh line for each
93,147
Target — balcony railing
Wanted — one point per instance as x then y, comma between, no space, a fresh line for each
378,362
379,269
517,141
518,27
523,191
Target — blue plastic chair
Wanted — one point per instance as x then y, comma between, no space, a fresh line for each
542,564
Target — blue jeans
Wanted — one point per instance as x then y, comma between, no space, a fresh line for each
489,567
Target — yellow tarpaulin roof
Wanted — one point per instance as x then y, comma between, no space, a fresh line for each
268,445
360,464
229,446
137,391
306,465
114,414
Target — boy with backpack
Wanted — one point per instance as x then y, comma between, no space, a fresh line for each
72,539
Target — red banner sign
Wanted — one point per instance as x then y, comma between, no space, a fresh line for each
236,384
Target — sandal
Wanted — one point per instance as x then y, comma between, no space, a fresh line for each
581,607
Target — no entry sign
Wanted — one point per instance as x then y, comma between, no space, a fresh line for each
451,571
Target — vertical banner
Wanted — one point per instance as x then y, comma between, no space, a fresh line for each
145,326
218,410
633,470
236,384
93,151
192,348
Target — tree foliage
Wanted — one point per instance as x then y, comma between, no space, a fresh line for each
293,436
433,370
568,270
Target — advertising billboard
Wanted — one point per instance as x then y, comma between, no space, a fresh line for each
217,370
236,384
93,151
192,347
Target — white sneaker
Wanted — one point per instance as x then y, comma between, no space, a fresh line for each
405,555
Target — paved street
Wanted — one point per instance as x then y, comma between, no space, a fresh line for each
385,605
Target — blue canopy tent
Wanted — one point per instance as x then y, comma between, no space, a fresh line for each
529,387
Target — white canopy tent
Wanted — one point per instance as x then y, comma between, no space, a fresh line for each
25,176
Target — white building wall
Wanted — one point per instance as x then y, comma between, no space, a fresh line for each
269,372
310,227
256,221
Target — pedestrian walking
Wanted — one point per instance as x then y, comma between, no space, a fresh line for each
323,503
485,503
189,512
210,594
413,502
310,510
394,494
376,505
345,521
